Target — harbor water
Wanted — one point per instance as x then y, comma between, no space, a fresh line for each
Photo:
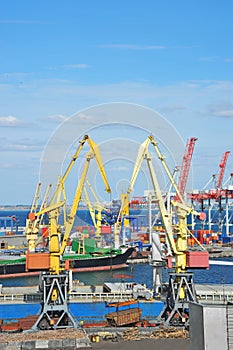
140,273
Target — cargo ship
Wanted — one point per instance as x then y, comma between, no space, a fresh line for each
15,263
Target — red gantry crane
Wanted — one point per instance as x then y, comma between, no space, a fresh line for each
222,167
184,172
217,191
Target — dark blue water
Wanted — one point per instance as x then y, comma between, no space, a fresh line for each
19,214
141,273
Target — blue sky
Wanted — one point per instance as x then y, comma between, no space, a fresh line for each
61,57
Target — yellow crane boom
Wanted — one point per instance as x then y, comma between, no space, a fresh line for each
181,288
55,284
55,252
56,249
178,247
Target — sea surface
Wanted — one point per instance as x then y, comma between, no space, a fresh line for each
139,273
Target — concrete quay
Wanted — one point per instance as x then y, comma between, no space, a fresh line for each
99,338
66,344
56,339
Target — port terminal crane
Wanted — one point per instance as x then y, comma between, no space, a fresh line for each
211,198
35,224
35,216
185,168
123,217
55,280
184,172
96,219
181,289
217,179
100,215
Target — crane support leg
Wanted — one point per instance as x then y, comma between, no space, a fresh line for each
157,277
175,311
54,312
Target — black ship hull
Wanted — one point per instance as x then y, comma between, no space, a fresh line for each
104,262
115,261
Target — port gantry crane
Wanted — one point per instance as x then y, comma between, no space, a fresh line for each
181,288
123,213
218,191
184,172
209,198
99,214
222,167
35,217
55,279
186,163
34,224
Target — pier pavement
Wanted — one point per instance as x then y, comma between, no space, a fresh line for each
149,344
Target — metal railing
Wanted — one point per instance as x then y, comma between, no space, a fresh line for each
219,296
11,297
106,297
99,296
74,296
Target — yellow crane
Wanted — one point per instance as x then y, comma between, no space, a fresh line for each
54,313
123,212
34,223
95,210
124,209
93,153
181,288
36,214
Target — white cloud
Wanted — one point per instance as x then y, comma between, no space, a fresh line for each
56,118
22,148
85,117
11,166
172,108
224,113
209,59
215,59
23,145
70,66
18,21
221,110
77,66
10,121
132,47
60,118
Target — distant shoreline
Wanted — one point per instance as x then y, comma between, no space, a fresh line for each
27,207
15,207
